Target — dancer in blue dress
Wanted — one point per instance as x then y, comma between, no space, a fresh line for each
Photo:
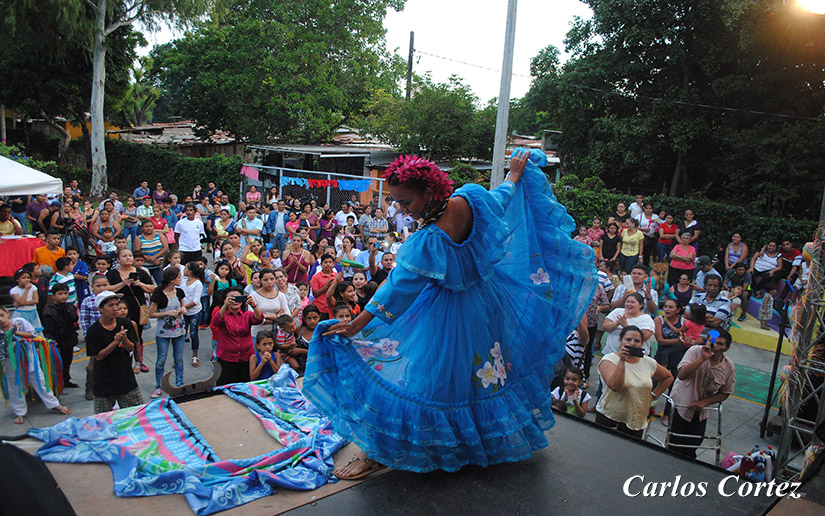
451,362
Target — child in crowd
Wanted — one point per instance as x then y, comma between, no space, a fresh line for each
766,310
206,314
48,254
254,283
572,399
138,259
89,314
192,286
287,349
60,324
25,298
36,378
81,274
106,243
285,340
303,292
733,296
338,233
102,264
391,243
694,325
120,243
63,274
582,236
264,363
173,260
40,282
275,258
310,317
342,292
221,280
342,312
321,282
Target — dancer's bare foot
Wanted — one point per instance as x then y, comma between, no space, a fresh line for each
358,467
63,409
18,420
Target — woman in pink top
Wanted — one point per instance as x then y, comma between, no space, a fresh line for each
595,234
253,195
681,259
232,328
293,224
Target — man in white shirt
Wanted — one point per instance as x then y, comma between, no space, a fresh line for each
403,221
114,198
637,207
188,231
250,227
705,269
641,284
392,209
341,216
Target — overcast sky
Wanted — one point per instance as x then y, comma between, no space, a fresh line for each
473,32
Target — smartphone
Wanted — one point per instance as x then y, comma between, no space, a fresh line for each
239,299
134,276
635,352
628,283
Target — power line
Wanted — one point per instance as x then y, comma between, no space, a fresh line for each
466,63
632,96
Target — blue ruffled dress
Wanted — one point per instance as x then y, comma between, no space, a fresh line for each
456,366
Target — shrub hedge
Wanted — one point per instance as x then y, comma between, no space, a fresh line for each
130,163
718,220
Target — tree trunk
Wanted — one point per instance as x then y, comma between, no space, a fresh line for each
65,137
98,143
677,175
87,150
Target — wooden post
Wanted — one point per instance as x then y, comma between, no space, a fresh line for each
410,64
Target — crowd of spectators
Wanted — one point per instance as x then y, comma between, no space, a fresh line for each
111,268
660,293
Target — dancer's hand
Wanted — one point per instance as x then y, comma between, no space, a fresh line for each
345,329
517,165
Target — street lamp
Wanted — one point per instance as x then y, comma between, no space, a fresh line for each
812,6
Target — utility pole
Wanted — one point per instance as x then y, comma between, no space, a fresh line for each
503,115
409,64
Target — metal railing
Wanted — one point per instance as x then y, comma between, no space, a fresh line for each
716,440
334,197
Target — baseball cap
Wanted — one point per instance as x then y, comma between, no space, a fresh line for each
703,260
103,296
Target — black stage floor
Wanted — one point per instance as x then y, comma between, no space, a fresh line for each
582,472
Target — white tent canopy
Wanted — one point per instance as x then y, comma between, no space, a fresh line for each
18,179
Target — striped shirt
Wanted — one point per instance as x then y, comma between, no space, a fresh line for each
68,280
150,247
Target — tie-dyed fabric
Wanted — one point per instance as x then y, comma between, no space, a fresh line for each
155,449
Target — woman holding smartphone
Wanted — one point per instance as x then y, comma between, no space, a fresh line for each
232,329
627,376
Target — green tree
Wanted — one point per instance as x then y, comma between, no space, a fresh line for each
97,24
635,101
440,121
284,70
47,64
135,107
